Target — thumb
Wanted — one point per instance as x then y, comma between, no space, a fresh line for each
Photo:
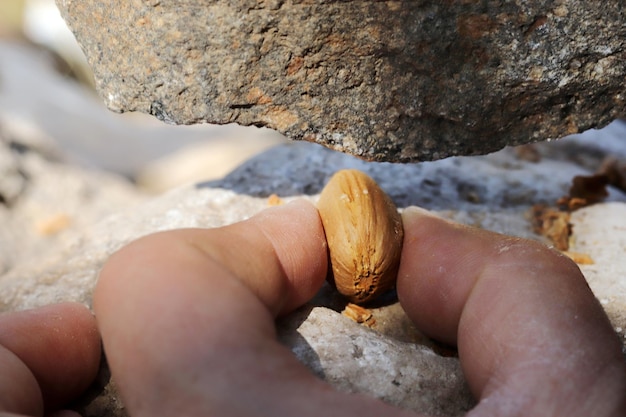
530,333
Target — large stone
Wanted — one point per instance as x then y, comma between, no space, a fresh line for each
384,80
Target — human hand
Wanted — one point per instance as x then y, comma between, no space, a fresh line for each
187,319
48,356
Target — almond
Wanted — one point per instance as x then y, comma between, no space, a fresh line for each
364,234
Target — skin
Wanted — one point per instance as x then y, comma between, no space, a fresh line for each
187,321
48,356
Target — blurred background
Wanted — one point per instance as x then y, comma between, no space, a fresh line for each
46,88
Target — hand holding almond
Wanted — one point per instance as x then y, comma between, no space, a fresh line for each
187,320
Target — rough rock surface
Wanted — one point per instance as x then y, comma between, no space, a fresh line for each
493,191
384,80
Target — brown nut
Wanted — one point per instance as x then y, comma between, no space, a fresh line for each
364,234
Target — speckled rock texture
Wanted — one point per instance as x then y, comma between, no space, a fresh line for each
384,80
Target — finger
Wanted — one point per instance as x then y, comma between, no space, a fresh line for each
531,336
19,391
187,319
49,355
280,254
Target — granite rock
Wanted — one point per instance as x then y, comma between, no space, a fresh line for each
410,375
384,80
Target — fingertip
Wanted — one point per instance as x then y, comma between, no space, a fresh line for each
19,388
59,344
415,213
77,351
435,253
296,233
279,254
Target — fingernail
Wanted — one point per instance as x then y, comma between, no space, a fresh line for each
295,206
413,212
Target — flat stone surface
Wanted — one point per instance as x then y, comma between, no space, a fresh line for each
407,374
385,80
44,202
393,361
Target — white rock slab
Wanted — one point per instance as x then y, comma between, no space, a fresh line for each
494,192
